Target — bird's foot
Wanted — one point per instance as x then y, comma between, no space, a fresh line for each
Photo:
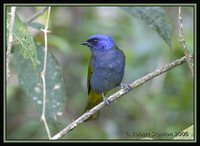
107,101
125,86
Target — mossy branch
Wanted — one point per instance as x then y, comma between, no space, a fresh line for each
182,40
120,93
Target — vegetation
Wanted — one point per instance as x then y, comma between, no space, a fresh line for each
149,37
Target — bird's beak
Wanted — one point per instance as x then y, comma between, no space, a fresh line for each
85,43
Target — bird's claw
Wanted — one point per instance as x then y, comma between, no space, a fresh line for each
107,101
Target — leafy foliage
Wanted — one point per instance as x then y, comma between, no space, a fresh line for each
155,18
30,81
164,105
25,40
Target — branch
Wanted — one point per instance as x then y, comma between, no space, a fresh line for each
182,40
118,94
43,73
36,15
10,40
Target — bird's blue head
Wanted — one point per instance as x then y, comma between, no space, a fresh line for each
99,42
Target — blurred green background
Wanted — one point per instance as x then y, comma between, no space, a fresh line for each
164,104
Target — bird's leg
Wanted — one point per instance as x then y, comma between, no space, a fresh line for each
105,99
125,86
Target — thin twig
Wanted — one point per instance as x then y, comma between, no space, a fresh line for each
182,40
10,40
118,94
43,73
41,11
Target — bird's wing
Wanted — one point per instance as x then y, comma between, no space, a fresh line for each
90,71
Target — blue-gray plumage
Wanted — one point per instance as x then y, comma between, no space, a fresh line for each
106,67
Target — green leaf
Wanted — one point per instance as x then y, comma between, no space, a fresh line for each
155,18
186,134
24,38
31,82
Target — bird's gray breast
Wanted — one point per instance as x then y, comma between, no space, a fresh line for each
108,70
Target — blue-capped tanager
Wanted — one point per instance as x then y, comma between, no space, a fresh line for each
105,71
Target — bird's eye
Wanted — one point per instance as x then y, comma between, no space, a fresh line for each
95,40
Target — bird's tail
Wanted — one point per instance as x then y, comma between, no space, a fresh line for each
93,99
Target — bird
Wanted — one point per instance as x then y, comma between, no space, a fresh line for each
105,69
